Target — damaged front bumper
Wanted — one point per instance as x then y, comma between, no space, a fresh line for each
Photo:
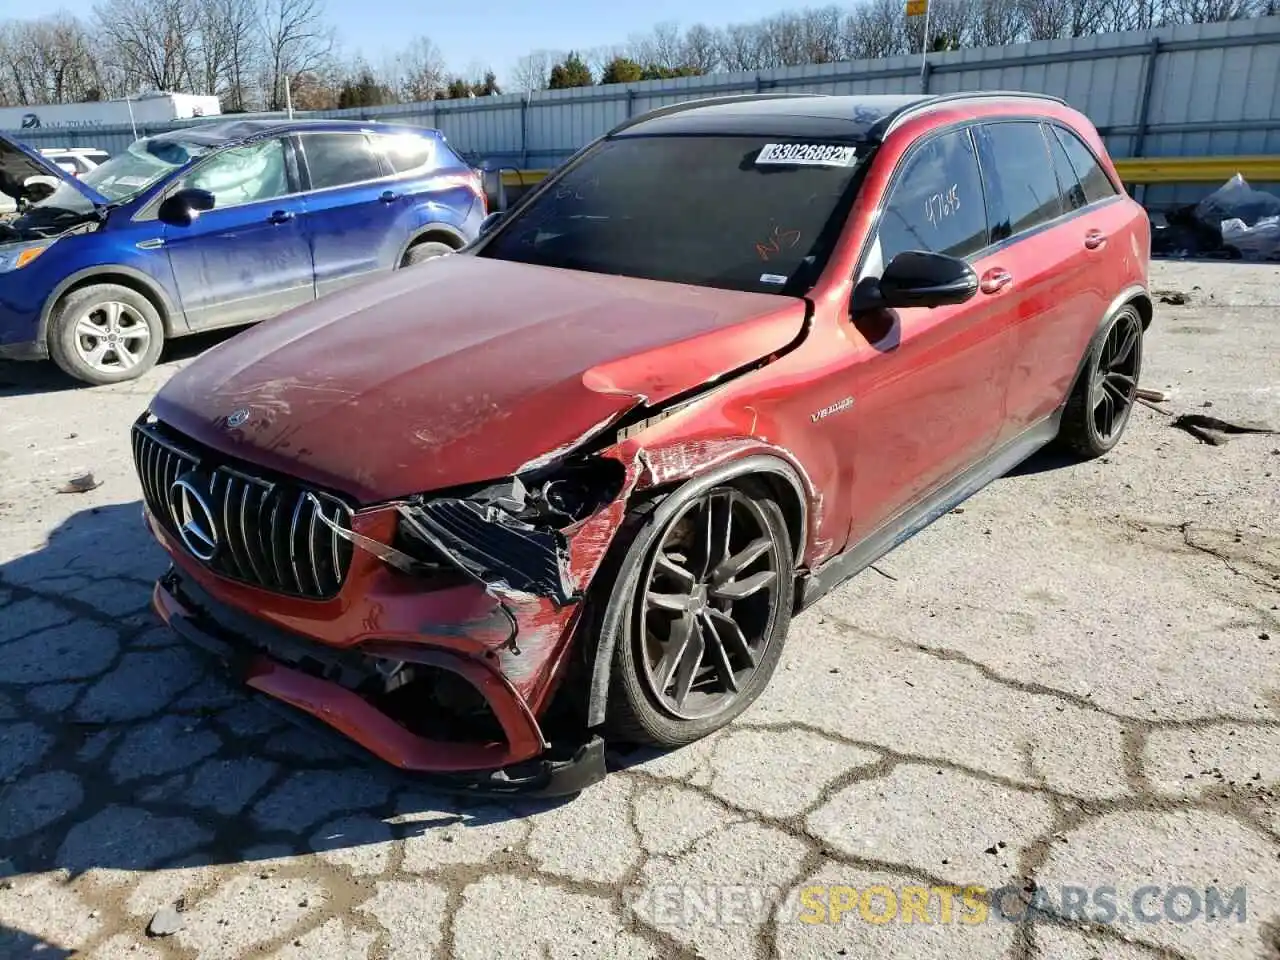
317,681
437,638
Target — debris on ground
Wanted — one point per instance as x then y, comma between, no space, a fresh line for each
81,484
1214,431
1234,222
166,922
1175,297
1155,396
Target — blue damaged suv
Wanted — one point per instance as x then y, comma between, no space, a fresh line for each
214,226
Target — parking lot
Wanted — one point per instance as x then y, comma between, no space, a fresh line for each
1067,686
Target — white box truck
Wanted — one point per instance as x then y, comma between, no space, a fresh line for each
149,109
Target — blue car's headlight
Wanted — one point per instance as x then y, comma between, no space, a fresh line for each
20,254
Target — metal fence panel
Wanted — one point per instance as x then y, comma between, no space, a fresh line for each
1198,89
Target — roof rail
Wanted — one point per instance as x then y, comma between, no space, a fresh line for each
707,102
892,120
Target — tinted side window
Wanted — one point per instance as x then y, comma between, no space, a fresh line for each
936,203
408,152
1069,188
248,174
1024,169
335,159
1097,185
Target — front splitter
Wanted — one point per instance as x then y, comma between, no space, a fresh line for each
560,770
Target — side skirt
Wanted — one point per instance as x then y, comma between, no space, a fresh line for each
846,565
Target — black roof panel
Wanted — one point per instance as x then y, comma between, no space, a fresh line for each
853,118
817,115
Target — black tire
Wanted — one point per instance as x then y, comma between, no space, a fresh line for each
67,345
428,250
1083,430
635,713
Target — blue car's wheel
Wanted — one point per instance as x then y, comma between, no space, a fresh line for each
105,333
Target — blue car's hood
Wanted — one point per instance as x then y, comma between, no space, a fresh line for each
19,163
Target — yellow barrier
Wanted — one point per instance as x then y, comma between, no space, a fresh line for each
1133,170
1146,170
522,178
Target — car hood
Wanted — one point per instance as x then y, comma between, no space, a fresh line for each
19,163
461,370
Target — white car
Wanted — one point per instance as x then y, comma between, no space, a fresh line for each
76,161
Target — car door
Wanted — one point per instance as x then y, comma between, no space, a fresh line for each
351,208
1042,248
247,259
1101,234
930,401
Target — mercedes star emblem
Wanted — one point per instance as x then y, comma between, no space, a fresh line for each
194,518
237,419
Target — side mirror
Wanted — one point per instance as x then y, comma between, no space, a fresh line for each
182,208
915,278
488,223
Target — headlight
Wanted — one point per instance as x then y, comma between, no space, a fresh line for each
17,257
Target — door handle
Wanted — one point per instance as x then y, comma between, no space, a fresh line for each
1094,239
389,196
280,216
995,280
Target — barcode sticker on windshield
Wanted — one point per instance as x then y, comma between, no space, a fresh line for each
807,155
772,278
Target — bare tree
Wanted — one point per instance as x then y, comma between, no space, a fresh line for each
700,50
420,71
533,71
298,44
820,33
599,58
661,47
50,60
876,29
1212,11
742,47
998,22
152,42
1133,15
230,50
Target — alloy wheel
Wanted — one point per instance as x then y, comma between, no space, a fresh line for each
1115,377
711,589
111,336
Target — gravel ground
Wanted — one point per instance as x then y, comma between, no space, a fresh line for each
1068,687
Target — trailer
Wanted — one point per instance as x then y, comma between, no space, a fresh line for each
157,108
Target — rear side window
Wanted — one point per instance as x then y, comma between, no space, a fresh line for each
408,152
1093,179
936,203
1024,169
336,159
1069,188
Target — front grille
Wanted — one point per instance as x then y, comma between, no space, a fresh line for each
266,533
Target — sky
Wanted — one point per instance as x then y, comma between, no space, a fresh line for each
494,33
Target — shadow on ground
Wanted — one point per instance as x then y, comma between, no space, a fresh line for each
39,377
20,945
1045,460
123,748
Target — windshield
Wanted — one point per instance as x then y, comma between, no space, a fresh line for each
742,213
146,161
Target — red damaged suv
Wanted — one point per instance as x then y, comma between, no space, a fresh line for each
572,482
